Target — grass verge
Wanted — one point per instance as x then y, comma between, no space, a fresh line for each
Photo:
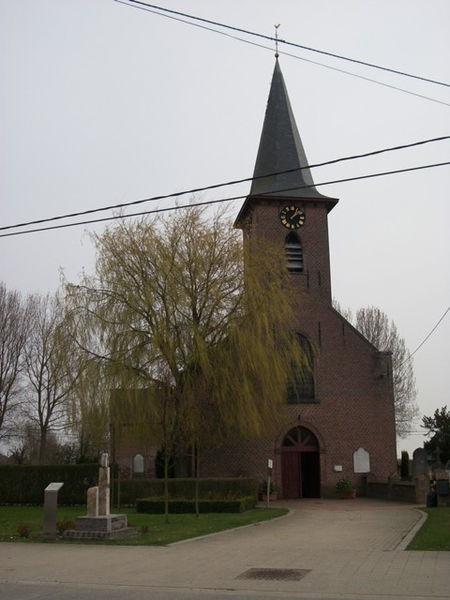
435,532
154,532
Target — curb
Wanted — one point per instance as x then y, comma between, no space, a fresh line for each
208,535
404,543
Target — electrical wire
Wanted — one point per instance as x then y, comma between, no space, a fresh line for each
211,202
313,62
162,10
428,336
226,184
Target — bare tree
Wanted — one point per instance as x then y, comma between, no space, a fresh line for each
13,337
375,326
51,367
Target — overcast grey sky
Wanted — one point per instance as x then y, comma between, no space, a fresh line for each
102,103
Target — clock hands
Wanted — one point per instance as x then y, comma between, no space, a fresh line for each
292,217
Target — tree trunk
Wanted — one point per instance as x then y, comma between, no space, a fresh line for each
42,447
166,486
197,477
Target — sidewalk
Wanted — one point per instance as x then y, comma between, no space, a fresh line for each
324,548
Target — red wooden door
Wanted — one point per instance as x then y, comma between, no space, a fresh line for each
290,469
300,464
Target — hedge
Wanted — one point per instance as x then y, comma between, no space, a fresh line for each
25,484
128,491
157,505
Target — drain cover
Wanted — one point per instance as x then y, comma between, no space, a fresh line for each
275,574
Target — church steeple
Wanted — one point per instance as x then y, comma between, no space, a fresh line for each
281,149
281,168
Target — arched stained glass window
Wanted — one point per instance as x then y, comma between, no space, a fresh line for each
301,388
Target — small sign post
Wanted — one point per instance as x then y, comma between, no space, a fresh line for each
50,506
269,475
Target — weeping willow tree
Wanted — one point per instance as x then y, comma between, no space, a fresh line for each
88,410
180,324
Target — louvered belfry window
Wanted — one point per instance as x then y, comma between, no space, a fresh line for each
294,253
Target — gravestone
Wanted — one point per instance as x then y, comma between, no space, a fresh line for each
420,462
443,488
361,461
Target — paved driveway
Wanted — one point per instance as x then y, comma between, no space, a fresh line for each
323,549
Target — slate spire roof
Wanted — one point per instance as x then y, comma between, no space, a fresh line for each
281,149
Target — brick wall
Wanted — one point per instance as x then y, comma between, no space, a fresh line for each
354,405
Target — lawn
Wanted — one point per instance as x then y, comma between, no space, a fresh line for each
435,533
154,532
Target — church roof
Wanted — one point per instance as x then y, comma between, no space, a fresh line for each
281,150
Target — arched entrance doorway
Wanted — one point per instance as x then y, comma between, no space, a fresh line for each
300,464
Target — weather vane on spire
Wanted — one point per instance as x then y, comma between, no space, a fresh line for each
276,40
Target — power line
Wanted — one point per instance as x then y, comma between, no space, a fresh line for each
280,41
422,343
356,75
220,185
211,202
313,62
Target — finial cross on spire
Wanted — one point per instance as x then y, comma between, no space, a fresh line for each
276,40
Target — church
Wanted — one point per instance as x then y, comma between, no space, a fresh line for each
342,425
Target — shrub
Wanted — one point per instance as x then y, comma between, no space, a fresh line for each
24,530
263,487
344,485
25,484
209,488
64,525
404,465
179,506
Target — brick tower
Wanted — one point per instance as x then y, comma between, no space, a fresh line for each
341,416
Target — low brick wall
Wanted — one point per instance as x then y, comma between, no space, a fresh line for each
414,491
404,491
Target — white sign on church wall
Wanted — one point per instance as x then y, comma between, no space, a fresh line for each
138,463
361,461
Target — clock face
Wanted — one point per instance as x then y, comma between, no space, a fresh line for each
292,217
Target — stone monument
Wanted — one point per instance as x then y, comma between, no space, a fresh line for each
98,522
420,462
50,507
